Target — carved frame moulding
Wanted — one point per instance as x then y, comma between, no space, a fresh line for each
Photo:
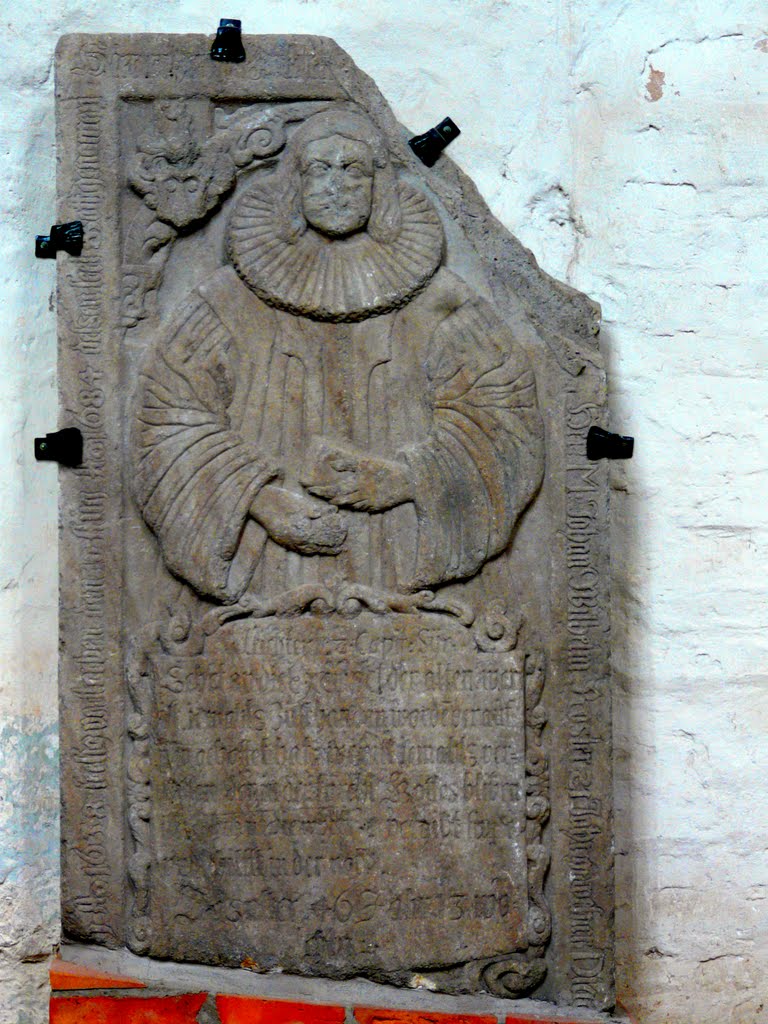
334,570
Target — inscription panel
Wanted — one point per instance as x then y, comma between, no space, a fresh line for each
327,778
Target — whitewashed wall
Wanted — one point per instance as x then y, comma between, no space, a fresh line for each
625,143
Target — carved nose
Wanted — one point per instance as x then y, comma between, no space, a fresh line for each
335,185
336,181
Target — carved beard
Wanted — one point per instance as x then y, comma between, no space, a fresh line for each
339,280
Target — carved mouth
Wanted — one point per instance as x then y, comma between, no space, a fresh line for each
334,207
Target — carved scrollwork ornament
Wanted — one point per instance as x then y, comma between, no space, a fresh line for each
513,976
538,805
138,790
496,629
508,976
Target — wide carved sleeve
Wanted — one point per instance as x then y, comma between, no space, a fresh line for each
195,478
484,458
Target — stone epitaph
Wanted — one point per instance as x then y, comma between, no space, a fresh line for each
334,609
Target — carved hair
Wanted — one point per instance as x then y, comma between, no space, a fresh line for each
385,221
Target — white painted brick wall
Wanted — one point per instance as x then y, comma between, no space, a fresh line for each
626,144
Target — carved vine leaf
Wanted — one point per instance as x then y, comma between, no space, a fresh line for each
147,245
537,801
139,684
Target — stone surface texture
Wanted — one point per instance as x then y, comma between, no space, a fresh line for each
625,146
334,678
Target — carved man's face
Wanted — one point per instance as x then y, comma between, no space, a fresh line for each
336,185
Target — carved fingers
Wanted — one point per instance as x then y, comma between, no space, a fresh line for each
354,479
298,522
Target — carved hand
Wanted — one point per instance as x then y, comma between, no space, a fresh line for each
348,477
299,523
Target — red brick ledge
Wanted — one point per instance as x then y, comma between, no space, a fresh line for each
117,1007
252,1010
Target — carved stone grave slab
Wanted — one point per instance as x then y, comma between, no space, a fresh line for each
334,610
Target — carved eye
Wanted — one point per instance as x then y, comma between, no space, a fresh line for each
355,171
192,185
316,170
171,184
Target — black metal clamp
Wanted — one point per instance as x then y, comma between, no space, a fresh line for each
602,444
431,144
62,446
63,238
228,44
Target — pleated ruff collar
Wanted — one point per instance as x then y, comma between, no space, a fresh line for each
337,280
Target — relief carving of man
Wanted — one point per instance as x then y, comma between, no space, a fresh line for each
334,403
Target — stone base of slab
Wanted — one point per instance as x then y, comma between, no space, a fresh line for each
92,985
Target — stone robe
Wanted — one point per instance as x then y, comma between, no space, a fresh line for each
236,389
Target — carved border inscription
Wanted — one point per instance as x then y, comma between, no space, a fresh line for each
87,615
588,848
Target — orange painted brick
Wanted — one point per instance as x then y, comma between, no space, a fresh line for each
126,1009
250,1010
66,977
514,1019
366,1015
